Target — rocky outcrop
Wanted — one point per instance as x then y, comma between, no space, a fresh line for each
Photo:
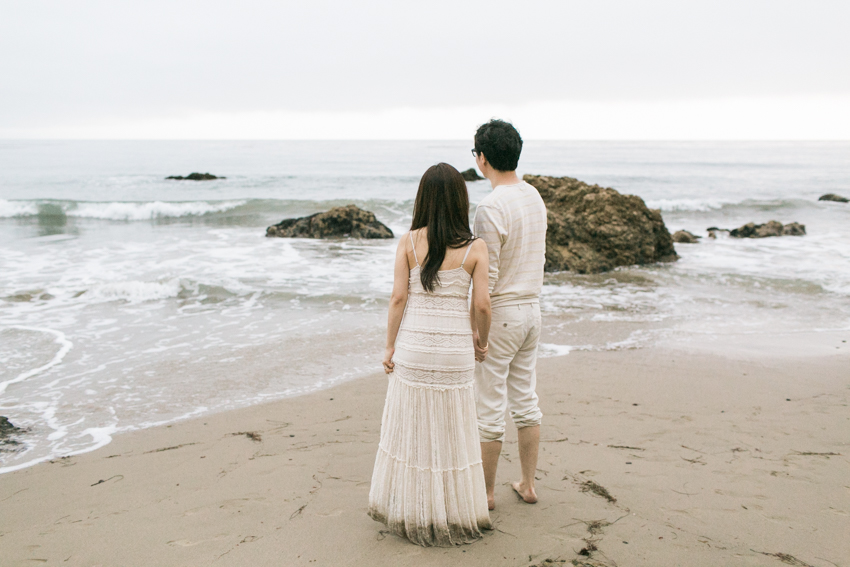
685,237
594,229
794,229
471,175
195,177
8,431
833,197
339,222
770,228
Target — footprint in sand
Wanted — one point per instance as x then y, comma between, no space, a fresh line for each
332,513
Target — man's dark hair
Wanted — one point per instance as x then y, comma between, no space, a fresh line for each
500,143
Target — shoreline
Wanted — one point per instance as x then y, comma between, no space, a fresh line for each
719,460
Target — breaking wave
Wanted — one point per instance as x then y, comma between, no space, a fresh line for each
124,211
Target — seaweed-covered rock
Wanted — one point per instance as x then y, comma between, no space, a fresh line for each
195,177
471,175
768,229
349,221
594,229
8,431
685,237
794,229
833,197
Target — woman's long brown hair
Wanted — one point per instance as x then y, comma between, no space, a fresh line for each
442,205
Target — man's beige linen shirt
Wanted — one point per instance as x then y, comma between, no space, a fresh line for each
512,221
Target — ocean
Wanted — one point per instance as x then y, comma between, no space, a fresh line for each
128,300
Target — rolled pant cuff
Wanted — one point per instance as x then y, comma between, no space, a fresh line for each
489,435
530,421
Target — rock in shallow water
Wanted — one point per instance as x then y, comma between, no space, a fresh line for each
349,221
195,177
685,237
768,229
471,175
833,197
7,432
594,229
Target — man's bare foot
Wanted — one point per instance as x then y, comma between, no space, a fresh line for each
491,502
528,495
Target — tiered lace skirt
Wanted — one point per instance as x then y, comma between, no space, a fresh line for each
428,482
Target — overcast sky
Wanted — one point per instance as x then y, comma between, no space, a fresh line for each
559,69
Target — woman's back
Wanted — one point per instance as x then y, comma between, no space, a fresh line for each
428,483
434,342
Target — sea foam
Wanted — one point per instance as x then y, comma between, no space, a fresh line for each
116,210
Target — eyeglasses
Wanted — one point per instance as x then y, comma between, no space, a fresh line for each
475,153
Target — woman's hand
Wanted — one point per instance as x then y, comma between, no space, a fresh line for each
389,365
480,352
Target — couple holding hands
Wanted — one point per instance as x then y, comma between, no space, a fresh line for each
455,366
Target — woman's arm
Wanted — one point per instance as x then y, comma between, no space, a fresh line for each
480,311
398,300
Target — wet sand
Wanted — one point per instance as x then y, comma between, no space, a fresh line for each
649,457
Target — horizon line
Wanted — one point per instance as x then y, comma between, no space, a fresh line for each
582,140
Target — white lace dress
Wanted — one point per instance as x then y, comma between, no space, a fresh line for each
428,482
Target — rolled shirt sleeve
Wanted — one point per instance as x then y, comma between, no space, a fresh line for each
489,225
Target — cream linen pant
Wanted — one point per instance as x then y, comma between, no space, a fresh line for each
507,377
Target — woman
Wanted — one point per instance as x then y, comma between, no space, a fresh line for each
428,483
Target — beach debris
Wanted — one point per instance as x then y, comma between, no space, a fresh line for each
685,237
170,448
252,435
785,558
471,175
626,447
595,229
339,222
811,454
195,176
768,229
298,511
118,476
833,197
597,489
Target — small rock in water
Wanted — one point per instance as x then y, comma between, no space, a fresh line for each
471,175
794,229
685,237
833,197
195,177
7,431
350,221
770,228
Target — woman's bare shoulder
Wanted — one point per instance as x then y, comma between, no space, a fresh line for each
478,245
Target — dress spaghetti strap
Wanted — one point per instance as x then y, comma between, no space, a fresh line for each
468,248
412,245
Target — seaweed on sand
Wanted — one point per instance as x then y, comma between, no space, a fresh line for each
597,489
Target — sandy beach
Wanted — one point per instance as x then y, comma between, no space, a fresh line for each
649,457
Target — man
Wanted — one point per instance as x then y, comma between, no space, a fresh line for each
512,222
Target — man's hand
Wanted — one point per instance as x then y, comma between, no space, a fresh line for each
480,352
389,365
